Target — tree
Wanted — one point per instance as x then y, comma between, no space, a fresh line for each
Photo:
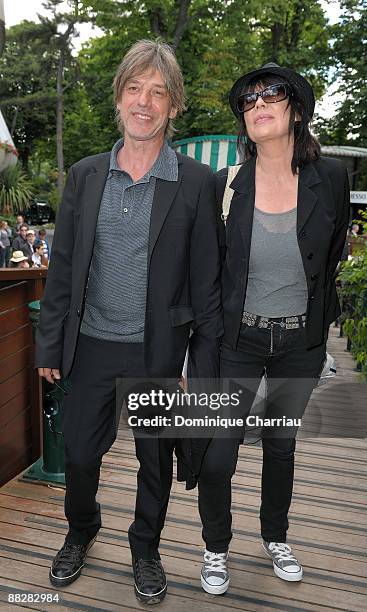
215,42
62,24
350,51
15,190
27,85
35,71
348,125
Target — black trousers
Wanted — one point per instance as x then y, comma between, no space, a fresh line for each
89,427
292,372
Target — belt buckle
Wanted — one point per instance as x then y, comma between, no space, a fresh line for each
292,325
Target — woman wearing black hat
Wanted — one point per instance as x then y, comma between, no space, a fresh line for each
285,233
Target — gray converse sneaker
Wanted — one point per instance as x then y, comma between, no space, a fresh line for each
214,573
285,563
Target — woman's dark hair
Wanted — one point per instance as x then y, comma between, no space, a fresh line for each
306,146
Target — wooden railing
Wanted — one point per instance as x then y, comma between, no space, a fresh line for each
20,388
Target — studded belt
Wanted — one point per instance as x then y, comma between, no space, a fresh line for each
294,322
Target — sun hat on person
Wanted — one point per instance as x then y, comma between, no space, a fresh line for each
299,85
18,256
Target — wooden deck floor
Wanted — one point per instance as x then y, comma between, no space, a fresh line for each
328,530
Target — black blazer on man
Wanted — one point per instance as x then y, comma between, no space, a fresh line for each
322,220
183,291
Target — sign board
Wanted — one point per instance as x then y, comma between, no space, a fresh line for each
358,197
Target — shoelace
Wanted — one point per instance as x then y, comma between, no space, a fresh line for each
150,571
71,553
283,552
215,562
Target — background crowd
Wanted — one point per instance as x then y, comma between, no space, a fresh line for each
22,246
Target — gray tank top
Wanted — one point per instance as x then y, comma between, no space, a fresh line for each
276,284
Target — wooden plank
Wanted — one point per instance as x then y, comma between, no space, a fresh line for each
16,275
115,560
67,601
19,382
248,582
18,463
36,411
14,363
13,296
188,531
13,408
335,481
13,319
187,557
16,340
242,502
330,530
15,443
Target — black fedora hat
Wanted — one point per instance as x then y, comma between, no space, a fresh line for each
300,86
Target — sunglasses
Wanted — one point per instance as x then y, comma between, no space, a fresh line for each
270,95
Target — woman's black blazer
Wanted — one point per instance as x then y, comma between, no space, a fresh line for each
322,221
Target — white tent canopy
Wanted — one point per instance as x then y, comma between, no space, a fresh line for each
7,157
4,132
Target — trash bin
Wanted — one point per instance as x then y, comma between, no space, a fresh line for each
51,466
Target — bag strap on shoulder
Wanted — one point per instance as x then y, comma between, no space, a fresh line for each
228,192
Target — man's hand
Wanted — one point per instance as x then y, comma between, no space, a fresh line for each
50,374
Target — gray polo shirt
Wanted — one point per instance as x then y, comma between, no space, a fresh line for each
116,295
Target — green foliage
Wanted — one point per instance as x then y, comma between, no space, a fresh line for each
349,123
26,85
350,50
353,277
222,40
216,41
15,190
11,219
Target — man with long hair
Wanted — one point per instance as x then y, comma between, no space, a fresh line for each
134,267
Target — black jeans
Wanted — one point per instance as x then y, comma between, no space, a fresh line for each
89,426
292,372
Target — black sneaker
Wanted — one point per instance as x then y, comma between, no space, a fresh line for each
150,580
68,563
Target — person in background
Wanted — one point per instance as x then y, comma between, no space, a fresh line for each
46,247
19,260
4,245
21,239
8,249
354,230
38,258
19,223
28,248
352,238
